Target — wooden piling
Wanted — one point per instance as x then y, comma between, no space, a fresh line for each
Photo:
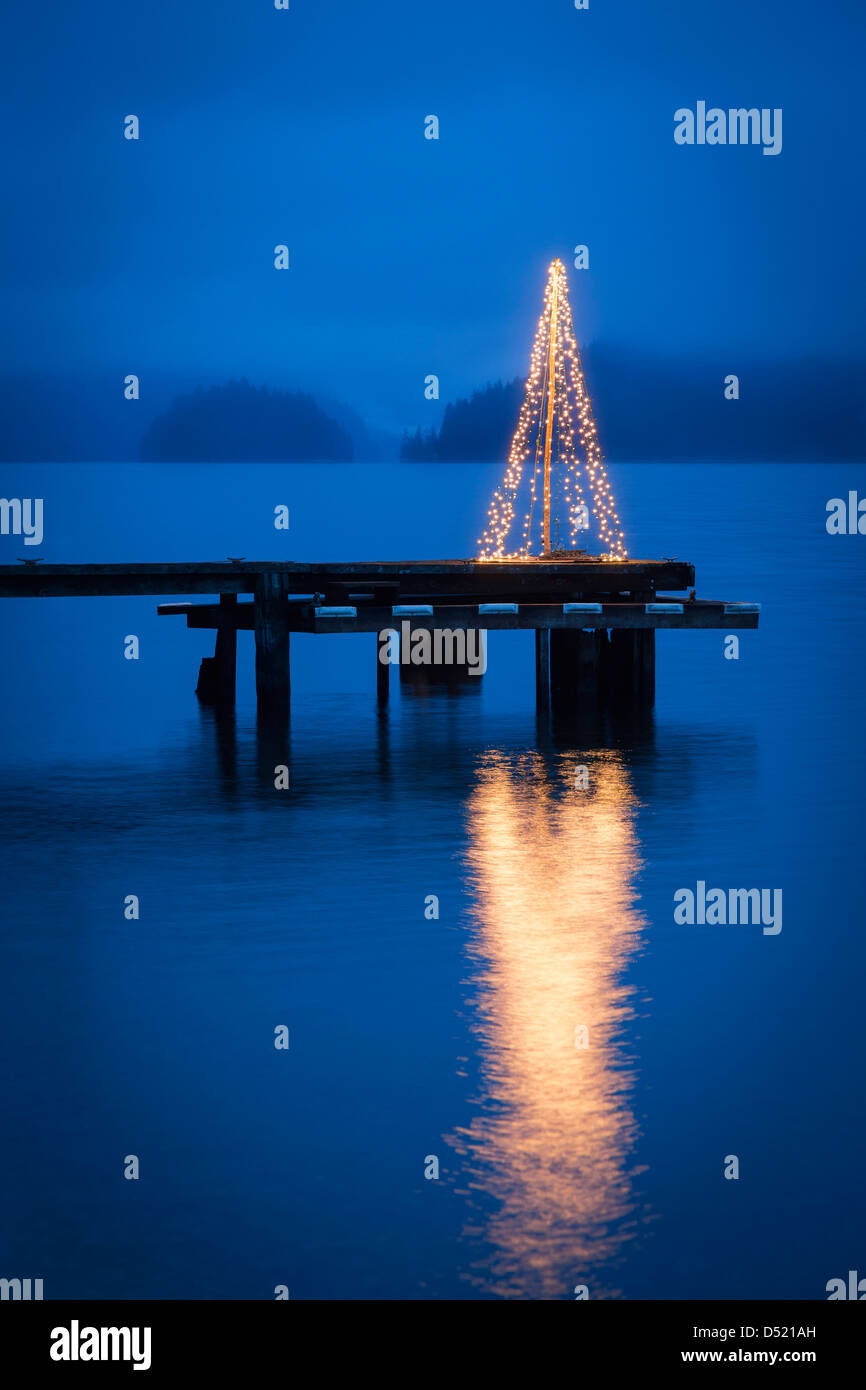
563,667
628,672
383,672
647,658
619,668
542,669
206,687
574,668
588,661
272,643
226,651
216,676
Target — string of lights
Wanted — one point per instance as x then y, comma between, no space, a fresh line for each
554,399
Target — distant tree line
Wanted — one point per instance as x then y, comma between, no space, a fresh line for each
645,407
651,409
479,428
244,424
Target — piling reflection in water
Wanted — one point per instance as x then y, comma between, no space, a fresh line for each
549,1154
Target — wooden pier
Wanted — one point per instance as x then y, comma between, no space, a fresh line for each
594,620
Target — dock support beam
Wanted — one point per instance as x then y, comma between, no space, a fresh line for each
226,651
630,667
574,668
216,676
542,669
592,667
647,662
383,671
272,643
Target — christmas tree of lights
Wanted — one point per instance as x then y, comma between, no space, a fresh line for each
555,414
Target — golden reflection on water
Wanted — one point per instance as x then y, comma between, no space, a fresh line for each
548,1155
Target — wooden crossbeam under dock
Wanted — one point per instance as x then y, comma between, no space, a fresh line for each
594,620
309,617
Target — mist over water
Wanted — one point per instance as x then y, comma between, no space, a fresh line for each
413,1037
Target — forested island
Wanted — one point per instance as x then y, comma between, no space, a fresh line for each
240,423
479,428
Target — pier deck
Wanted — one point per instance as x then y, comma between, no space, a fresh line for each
404,580
594,620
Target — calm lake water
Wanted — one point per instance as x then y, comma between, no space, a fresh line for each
413,1038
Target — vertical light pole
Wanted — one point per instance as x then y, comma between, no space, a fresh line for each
548,428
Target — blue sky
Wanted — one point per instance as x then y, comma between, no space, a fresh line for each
411,256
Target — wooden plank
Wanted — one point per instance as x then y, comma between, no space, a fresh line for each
241,616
